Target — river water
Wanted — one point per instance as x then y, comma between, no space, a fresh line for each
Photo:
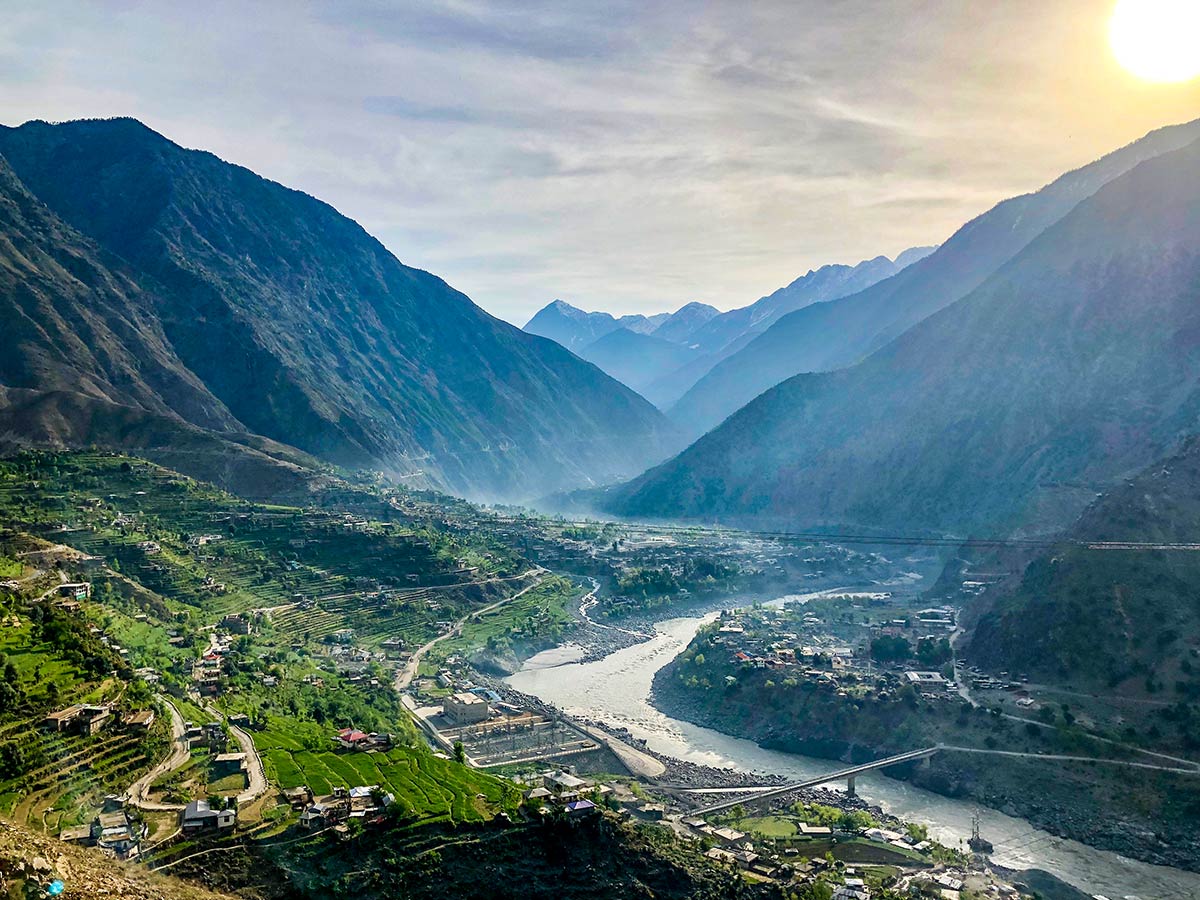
616,689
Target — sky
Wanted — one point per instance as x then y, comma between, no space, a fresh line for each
630,157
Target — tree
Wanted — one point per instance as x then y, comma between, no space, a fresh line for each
890,648
460,752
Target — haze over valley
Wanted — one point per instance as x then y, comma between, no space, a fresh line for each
320,577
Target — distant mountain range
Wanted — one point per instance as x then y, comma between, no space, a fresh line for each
576,329
827,336
637,360
1076,360
708,335
159,298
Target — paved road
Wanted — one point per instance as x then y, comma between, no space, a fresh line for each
964,691
1083,759
409,671
178,757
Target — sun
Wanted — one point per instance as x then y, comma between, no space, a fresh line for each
1158,40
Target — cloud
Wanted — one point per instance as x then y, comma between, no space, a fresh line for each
630,156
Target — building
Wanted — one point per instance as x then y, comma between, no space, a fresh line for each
321,814
140,720
464,708
581,808
200,818
728,835
77,591
113,831
815,830
228,764
743,859
561,783
237,624
298,797
83,718
353,739
63,719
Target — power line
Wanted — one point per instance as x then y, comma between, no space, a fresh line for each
834,537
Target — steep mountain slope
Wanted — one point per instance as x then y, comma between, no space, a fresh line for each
295,324
75,319
86,361
636,359
1077,361
1103,618
30,862
826,336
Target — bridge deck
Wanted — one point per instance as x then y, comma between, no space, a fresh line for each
823,779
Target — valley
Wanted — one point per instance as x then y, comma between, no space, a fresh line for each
276,682
320,578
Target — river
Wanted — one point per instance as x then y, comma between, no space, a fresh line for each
616,689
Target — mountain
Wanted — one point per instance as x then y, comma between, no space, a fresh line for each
684,322
1077,361
824,336
726,334
1120,621
575,329
636,359
168,283
816,286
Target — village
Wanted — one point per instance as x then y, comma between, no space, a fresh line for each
284,709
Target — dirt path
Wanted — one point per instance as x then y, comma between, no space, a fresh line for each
138,791
409,671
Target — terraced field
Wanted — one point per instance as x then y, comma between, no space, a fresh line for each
71,775
311,571
411,615
429,789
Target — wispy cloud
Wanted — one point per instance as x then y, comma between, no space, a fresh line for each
630,155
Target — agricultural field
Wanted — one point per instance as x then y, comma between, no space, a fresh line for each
533,621
49,780
167,559
428,789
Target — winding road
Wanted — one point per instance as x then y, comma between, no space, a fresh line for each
177,758
409,671
257,785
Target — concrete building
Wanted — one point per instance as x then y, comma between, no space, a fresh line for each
464,708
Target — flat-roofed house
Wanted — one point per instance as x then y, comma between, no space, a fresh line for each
465,708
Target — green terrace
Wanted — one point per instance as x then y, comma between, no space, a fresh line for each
49,779
210,554
180,556
428,788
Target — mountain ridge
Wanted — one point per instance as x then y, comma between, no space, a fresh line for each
1027,391
303,328
840,333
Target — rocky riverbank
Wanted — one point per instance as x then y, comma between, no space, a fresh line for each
1071,802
